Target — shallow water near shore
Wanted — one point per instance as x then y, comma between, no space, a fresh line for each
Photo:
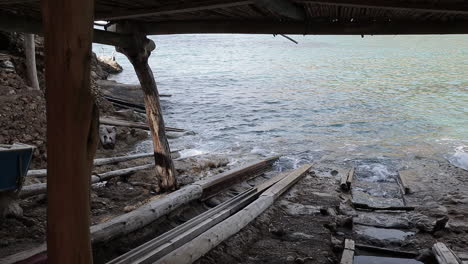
384,98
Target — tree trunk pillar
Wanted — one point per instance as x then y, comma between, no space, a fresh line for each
138,55
72,122
30,56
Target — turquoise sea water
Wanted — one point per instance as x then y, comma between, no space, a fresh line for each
339,97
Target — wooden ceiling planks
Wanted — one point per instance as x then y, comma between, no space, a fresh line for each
246,12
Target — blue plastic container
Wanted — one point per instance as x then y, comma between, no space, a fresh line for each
14,165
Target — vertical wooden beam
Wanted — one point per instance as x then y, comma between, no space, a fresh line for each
71,128
30,56
138,55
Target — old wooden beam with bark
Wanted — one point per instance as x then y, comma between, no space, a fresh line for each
72,128
138,55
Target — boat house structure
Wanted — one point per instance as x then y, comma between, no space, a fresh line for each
72,121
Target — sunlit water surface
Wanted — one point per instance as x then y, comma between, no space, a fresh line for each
329,97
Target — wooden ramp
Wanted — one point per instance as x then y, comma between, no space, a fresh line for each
191,240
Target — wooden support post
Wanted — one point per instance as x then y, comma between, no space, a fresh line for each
30,56
72,127
138,55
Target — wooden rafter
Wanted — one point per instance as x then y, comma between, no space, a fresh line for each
301,28
172,9
283,7
420,6
10,2
14,23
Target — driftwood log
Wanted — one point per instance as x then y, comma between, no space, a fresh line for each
124,123
40,188
203,243
105,161
145,214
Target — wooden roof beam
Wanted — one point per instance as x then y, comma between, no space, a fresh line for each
298,28
10,2
284,8
172,9
420,6
13,23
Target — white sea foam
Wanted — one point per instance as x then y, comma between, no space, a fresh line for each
376,172
191,152
460,157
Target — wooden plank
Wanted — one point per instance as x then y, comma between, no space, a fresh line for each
267,184
12,23
391,252
414,6
443,254
348,252
124,123
349,244
278,189
140,217
172,9
72,128
160,246
24,255
9,2
300,28
250,169
347,257
203,243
